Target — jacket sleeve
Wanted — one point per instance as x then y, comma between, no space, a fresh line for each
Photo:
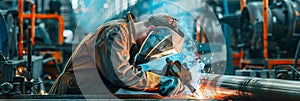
121,73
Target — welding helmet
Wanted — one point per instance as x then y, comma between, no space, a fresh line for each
160,42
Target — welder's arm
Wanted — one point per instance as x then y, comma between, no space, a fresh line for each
129,77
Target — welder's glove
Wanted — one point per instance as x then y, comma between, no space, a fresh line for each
170,85
175,68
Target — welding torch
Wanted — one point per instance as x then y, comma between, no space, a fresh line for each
175,68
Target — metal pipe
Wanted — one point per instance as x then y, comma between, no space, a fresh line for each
249,88
265,30
32,23
20,42
242,4
51,16
30,40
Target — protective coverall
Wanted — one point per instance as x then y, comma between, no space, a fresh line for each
110,52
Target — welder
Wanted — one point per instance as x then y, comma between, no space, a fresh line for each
116,50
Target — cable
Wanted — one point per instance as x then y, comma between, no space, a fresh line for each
296,58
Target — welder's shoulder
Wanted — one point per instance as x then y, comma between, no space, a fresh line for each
111,28
119,24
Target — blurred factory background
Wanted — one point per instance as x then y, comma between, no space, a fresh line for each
238,38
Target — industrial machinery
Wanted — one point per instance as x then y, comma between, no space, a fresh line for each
264,33
23,33
282,37
10,83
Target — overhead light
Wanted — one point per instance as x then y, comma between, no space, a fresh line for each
105,5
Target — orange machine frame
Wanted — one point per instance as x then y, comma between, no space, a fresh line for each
243,4
34,16
265,23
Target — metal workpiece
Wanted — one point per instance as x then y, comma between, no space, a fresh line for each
249,88
129,97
